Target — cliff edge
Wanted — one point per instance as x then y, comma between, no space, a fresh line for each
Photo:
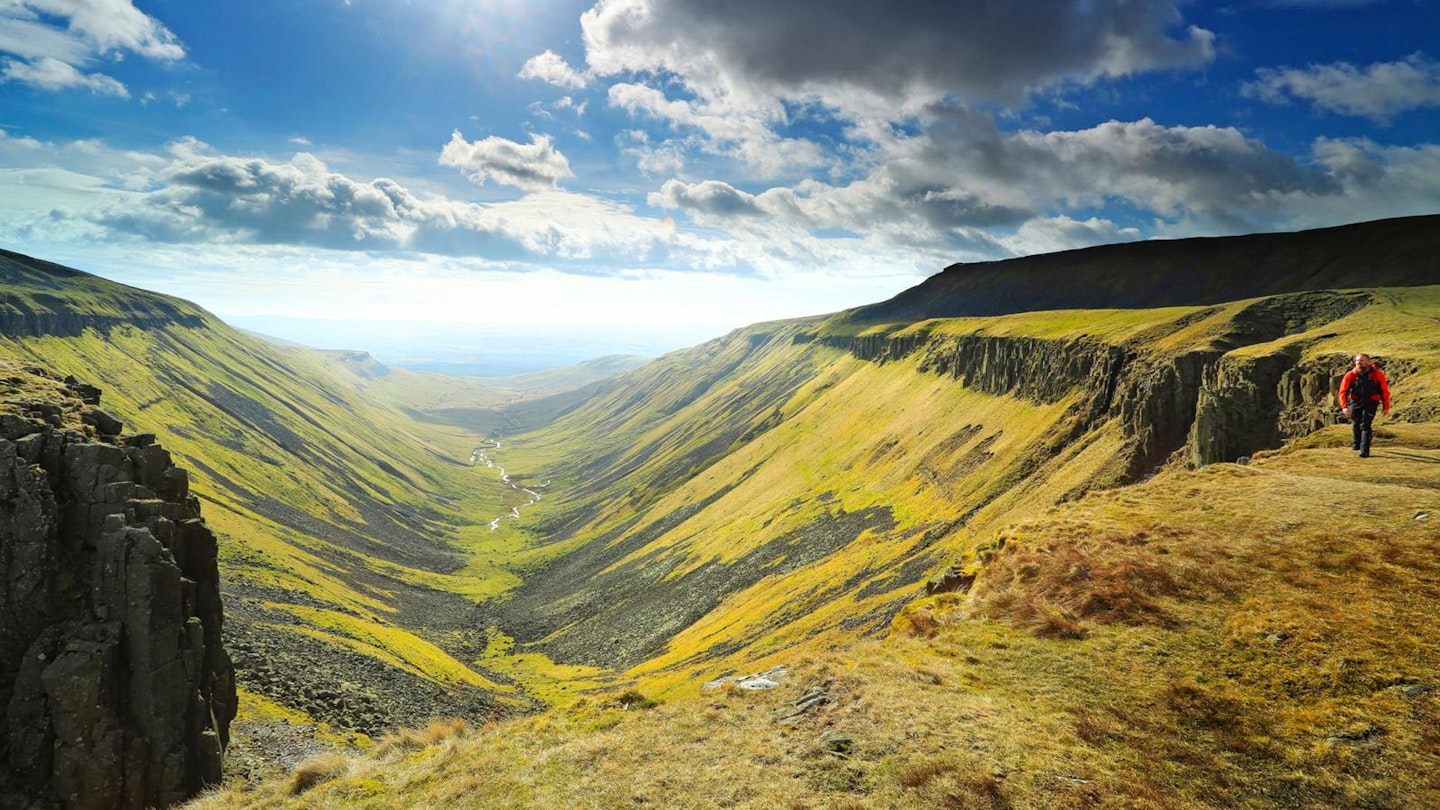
115,687
1402,252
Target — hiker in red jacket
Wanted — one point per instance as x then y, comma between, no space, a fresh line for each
1362,391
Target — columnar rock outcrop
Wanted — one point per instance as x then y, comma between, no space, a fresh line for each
115,688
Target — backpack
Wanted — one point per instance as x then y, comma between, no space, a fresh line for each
1364,387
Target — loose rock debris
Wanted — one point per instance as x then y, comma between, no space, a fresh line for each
816,696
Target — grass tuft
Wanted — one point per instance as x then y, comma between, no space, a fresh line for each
954,782
631,699
318,771
407,740
1052,586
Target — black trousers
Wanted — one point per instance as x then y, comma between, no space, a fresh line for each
1362,416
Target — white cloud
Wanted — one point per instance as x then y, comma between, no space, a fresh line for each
54,41
194,195
47,73
108,25
551,68
665,158
745,135
958,190
1379,91
1051,234
533,166
23,34
712,198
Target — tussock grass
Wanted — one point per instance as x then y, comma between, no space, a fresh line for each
318,771
1053,585
405,740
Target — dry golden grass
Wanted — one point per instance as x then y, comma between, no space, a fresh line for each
318,771
1051,586
408,740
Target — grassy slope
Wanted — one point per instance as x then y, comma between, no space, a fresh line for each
672,473
1181,643
568,378
342,518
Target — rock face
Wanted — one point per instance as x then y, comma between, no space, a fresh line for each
1209,403
115,689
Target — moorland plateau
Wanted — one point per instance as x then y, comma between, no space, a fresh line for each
1070,530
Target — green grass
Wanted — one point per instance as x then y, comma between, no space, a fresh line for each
1292,666
865,435
262,429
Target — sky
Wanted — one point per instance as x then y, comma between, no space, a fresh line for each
665,170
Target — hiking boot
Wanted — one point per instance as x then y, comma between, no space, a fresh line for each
1364,452
1355,445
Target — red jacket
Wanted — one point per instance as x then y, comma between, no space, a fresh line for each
1377,375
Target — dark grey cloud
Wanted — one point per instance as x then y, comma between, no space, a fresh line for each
224,198
295,202
1210,174
900,52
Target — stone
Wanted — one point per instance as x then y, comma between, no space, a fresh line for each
88,394
769,679
116,689
104,423
1410,690
836,742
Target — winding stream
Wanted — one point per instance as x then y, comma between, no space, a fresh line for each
478,456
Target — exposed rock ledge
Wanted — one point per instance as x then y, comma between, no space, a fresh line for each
115,689
1212,404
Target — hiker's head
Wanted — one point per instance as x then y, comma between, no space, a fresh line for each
1362,361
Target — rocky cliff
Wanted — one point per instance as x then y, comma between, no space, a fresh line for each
1208,401
115,687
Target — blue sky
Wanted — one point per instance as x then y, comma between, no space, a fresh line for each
681,165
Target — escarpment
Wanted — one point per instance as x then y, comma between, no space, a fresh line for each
1398,252
115,687
1209,401
46,299
19,320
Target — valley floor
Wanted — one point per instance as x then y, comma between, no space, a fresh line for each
1256,635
